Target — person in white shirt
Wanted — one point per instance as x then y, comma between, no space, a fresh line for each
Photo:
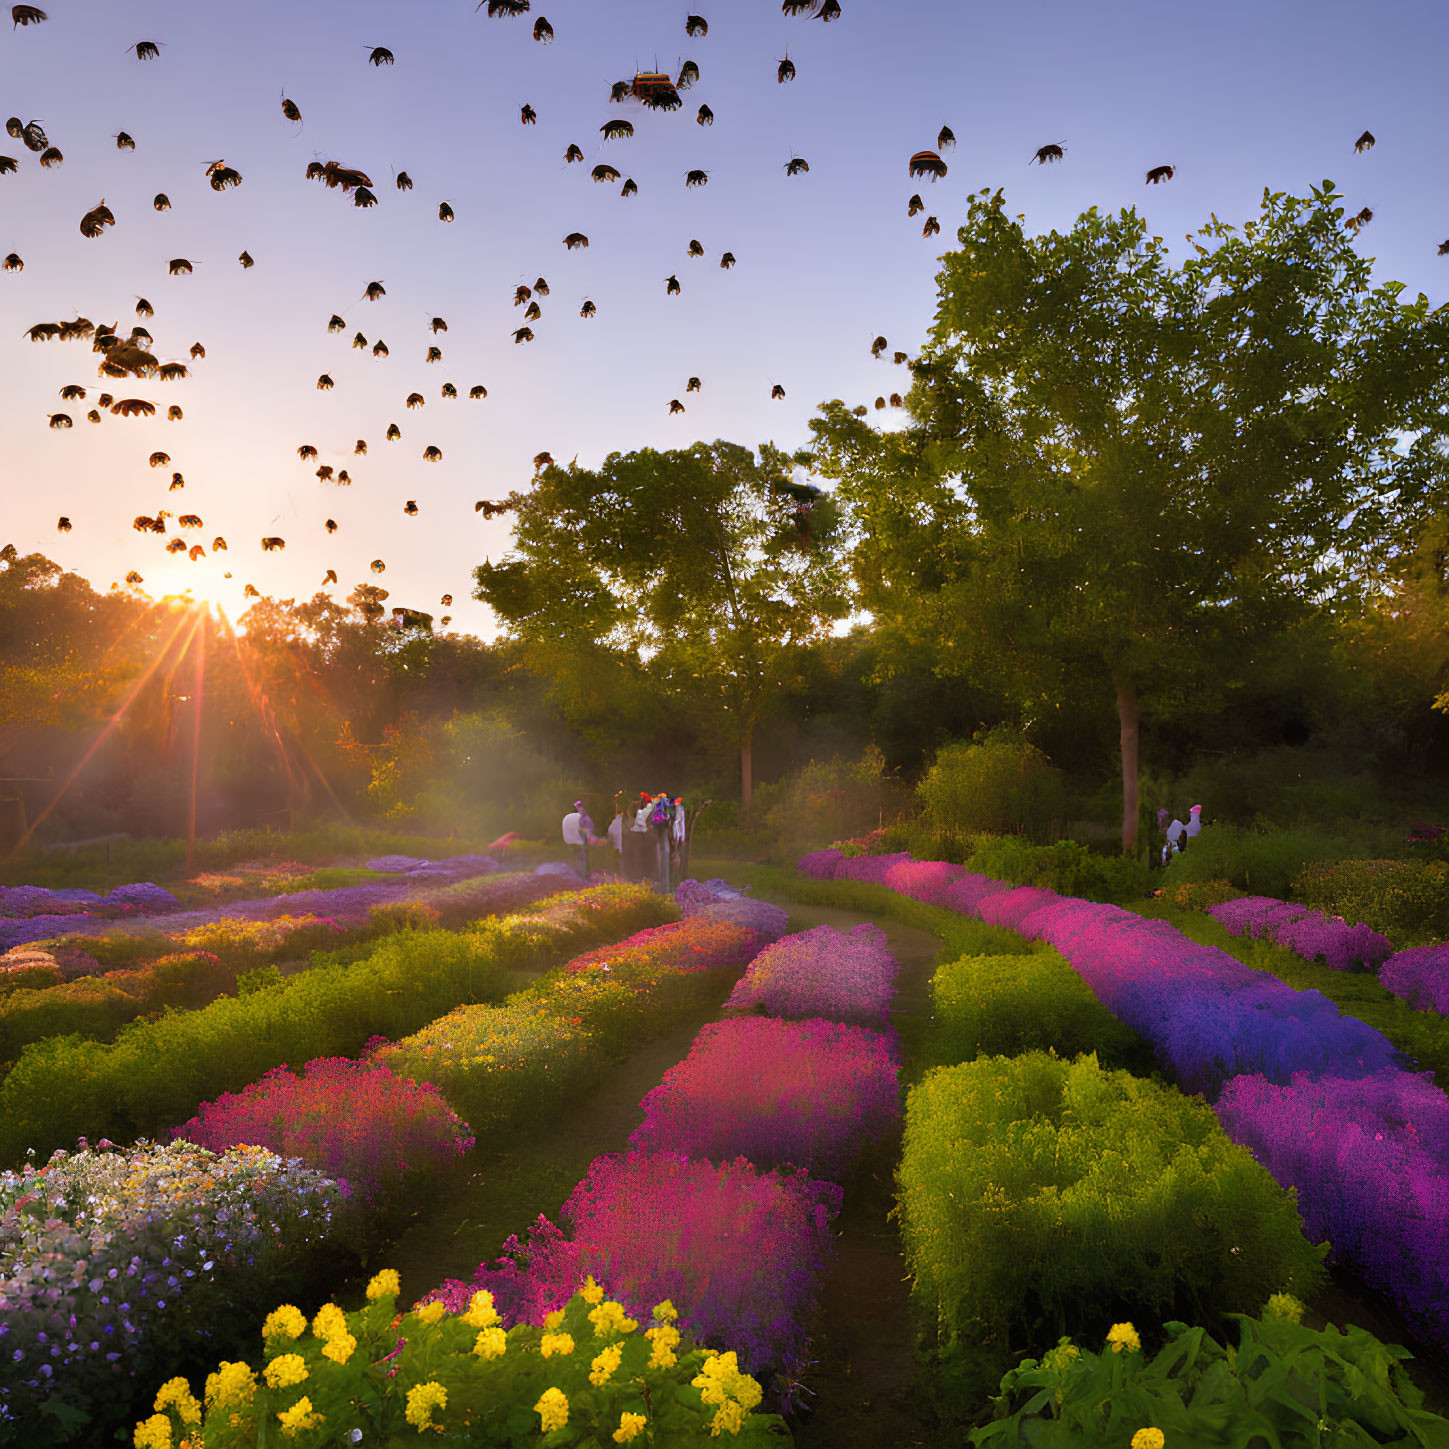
616,833
577,828
1193,828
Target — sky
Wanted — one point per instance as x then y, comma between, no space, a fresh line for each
1237,96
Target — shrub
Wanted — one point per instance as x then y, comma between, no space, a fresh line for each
1306,933
1066,867
1370,1162
829,798
741,1252
1264,861
997,783
378,1376
1193,895
1038,1194
822,973
114,1263
1405,900
807,1093
156,1073
354,1121
1196,1391
1006,1005
1420,976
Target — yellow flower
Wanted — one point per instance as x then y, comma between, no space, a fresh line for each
609,1320
491,1343
422,1400
384,1284
665,1339
665,1312
284,1322
592,1293
300,1417
430,1312
481,1312
232,1386
1149,1439
556,1343
339,1348
554,1319
604,1365
1123,1335
285,1370
729,1417
329,1322
176,1393
630,1427
553,1409
1284,1306
154,1433
1059,1358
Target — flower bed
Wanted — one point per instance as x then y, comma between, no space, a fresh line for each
806,1093
743,1252
112,1262
379,1377
1370,1161
355,1121
157,1072
1305,932
1420,976
822,973
716,900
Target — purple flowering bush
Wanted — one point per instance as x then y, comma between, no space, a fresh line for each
112,1263
1420,976
807,1093
1370,1161
1306,932
355,1121
822,973
741,1253
719,901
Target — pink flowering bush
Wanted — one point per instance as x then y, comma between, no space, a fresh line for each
740,1253
807,1093
1010,908
822,973
1420,976
354,1121
923,880
1370,1161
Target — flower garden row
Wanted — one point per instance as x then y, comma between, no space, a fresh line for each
1319,1098
1419,975
97,1244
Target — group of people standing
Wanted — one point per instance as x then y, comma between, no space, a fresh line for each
650,840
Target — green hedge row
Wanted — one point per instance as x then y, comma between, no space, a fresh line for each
157,1072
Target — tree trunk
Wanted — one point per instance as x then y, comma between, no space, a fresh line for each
1129,715
746,772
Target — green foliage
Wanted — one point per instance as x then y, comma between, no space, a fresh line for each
1280,1384
1405,900
1066,867
832,798
1043,1196
1263,862
1005,1005
997,783
262,979
156,1072
1423,1036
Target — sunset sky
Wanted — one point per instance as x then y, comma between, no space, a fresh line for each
1237,96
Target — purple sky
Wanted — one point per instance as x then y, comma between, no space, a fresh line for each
1237,96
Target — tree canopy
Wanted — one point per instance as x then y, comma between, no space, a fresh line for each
698,574
1124,474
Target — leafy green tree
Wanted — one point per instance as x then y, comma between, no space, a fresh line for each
1122,474
697,576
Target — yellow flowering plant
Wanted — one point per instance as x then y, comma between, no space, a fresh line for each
589,1377
1196,1391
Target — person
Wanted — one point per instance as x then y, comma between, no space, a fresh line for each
1193,828
1176,839
661,822
578,830
616,834
679,834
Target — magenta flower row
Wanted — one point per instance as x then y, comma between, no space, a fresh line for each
1320,1098
822,973
354,1121
807,1093
1305,932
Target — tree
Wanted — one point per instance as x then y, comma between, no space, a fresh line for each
1123,474
699,575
